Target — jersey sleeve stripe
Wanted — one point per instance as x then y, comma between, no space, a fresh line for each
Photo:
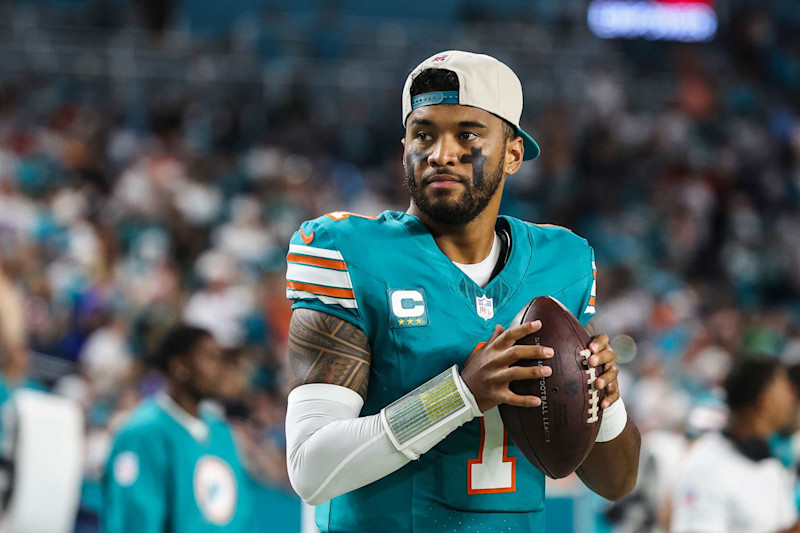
315,252
348,303
589,310
316,261
337,279
591,301
321,290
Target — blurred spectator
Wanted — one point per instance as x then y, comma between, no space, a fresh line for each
223,303
14,353
105,359
731,481
13,337
244,237
174,466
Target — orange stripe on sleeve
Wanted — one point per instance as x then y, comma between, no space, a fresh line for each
316,261
591,300
320,289
594,274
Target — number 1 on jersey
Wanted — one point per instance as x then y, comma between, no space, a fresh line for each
493,471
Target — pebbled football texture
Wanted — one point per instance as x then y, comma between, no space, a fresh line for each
557,436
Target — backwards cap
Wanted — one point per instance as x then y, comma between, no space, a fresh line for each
483,82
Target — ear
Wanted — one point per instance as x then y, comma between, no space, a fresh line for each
178,368
514,151
403,141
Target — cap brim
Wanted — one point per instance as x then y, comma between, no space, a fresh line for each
532,150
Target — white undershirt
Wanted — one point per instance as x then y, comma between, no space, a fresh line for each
481,273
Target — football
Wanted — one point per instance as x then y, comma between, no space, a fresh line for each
558,435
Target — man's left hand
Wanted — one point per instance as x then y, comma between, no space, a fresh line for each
604,357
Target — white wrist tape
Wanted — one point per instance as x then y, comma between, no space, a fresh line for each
426,415
615,418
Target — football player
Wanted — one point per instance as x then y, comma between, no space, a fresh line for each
731,481
174,467
398,353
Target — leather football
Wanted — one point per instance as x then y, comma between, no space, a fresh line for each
558,435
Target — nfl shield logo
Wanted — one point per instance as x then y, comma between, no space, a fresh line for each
485,307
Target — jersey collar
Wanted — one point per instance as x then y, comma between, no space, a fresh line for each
754,449
196,427
503,286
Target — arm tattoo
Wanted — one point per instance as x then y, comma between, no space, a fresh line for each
326,349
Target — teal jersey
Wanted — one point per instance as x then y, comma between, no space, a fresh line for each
163,475
421,315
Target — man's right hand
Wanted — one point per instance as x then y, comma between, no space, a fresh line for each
489,370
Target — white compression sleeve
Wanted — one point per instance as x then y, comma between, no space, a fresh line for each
331,450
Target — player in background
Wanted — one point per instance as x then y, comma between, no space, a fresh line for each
389,427
731,481
14,354
173,466
785,444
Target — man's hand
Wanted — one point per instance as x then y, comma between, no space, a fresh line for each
604,356
489,369
611,468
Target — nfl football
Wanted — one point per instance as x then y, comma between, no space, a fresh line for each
558,435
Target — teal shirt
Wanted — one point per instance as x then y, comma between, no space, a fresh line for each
783,449
161,478
421,315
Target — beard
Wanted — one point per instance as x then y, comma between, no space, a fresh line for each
441,207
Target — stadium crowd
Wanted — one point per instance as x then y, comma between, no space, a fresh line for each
111,229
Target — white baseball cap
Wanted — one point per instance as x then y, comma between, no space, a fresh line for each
483,82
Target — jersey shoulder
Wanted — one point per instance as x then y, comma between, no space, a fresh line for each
332,258
552,233
333,244
343,231
563,260
142,429
553,244
711,448
142,420
216,423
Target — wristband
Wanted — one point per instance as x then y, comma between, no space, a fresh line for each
614,421
426,415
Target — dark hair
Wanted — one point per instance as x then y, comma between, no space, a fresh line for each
439,79
749,377
179,340
794,376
